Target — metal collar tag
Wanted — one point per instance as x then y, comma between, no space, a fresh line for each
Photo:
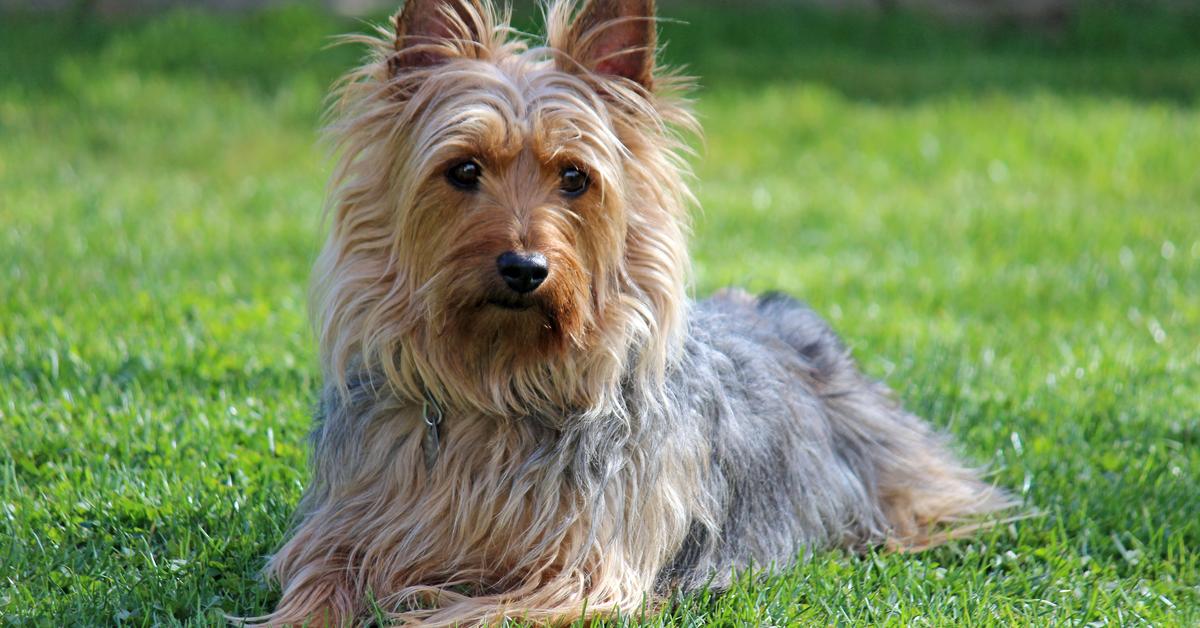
431,443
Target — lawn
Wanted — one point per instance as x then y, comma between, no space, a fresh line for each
1004,225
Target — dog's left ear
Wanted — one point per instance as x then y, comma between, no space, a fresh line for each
612,38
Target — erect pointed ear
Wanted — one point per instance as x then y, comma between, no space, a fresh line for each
613,38
429,32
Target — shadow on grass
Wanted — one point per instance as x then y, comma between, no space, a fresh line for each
894,57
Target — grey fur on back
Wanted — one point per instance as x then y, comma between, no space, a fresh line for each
802,443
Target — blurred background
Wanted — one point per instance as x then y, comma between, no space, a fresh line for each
997,202
974,9
1024,10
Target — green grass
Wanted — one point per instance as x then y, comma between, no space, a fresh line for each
1005,226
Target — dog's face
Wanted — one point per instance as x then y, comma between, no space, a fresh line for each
516,229
509,222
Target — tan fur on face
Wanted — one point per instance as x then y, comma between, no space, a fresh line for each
410,259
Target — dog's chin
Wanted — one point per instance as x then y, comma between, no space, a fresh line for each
524,327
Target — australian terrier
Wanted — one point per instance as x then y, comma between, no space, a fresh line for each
525,416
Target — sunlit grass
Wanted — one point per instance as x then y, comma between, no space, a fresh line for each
1004,227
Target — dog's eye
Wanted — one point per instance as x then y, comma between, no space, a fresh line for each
573,181
465,175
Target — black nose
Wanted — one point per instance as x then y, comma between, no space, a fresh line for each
523,272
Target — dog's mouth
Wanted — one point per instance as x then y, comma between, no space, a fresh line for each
515,304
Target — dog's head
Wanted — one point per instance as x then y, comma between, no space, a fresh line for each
508,221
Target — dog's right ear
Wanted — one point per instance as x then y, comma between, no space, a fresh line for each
429,32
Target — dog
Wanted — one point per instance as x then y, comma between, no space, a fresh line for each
524,414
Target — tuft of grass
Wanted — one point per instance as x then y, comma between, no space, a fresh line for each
1004,226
